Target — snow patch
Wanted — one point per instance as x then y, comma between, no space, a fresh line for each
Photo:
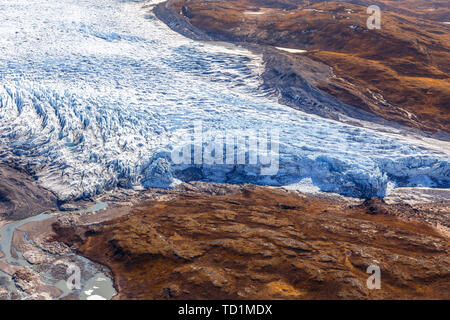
291,50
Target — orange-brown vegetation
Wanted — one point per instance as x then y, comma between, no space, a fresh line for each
400,72
264,243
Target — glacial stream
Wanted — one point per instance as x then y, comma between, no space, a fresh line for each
94,284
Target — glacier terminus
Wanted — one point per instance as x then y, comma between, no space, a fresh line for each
95,95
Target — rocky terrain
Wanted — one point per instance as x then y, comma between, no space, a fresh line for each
20,197
400,72
211,241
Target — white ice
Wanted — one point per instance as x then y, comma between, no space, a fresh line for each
93,91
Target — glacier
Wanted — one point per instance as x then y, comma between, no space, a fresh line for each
95,94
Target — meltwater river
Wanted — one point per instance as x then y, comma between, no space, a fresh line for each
94,92
93,283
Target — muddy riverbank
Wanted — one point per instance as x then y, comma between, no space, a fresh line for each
33,266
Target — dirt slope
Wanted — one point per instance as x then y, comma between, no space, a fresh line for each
20,197
400,72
